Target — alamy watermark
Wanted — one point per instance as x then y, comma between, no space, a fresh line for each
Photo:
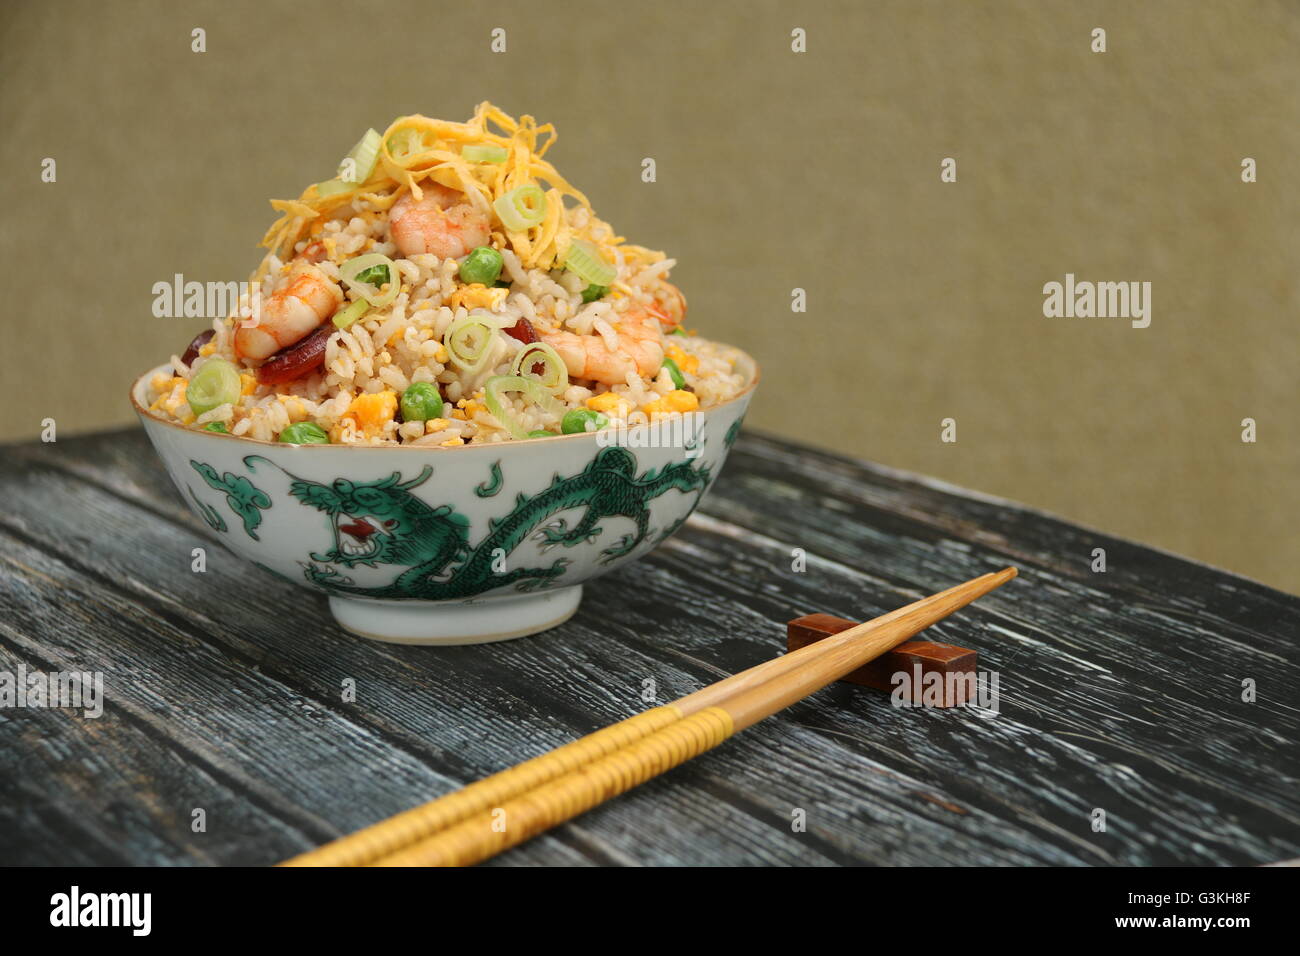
974,690
182,299
75,690
130,910
683,431
1103,300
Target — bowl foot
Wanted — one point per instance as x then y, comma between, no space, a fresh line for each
478,621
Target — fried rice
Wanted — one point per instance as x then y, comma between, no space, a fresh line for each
538,348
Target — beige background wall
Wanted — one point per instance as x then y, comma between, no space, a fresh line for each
775,170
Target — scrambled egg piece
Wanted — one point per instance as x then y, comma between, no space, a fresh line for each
162,383
293,405
371,411
171,392
675,401
478,296
687,363
610,404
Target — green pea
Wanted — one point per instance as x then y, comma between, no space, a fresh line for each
594,292
540,433
216,427
575,422
675,373
421,402
304,433
482,265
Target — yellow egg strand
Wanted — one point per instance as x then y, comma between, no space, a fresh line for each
437,156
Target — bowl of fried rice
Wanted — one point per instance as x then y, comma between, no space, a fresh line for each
449,393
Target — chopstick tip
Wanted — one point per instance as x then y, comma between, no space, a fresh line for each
995,579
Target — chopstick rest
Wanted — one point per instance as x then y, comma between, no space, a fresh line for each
915,658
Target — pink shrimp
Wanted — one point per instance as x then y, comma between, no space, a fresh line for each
290,314
670,305
441,223
640,349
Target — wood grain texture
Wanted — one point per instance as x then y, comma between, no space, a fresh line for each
1119,691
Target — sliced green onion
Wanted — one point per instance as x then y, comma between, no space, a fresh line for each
333,186
585,262
555,375
678,331
354,270
522,208
468,342
304,433
218,427
495,388
484,154
350,313
679,381
594,292
406,142
375,275
360,162
216,383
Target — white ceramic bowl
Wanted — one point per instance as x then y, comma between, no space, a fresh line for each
432,545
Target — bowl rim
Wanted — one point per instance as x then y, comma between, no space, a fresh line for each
148,416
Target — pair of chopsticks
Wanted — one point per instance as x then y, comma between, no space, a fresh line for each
506,809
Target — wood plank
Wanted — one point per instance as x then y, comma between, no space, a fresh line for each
845,498
81,791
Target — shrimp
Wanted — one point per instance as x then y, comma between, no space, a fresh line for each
670,305
290,314
438,224
640,350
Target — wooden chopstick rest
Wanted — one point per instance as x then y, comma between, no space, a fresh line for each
931,657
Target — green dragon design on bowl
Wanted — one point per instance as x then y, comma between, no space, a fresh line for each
382,523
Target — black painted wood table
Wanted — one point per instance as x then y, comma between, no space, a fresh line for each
228,735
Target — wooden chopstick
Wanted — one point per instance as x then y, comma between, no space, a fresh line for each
459,828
